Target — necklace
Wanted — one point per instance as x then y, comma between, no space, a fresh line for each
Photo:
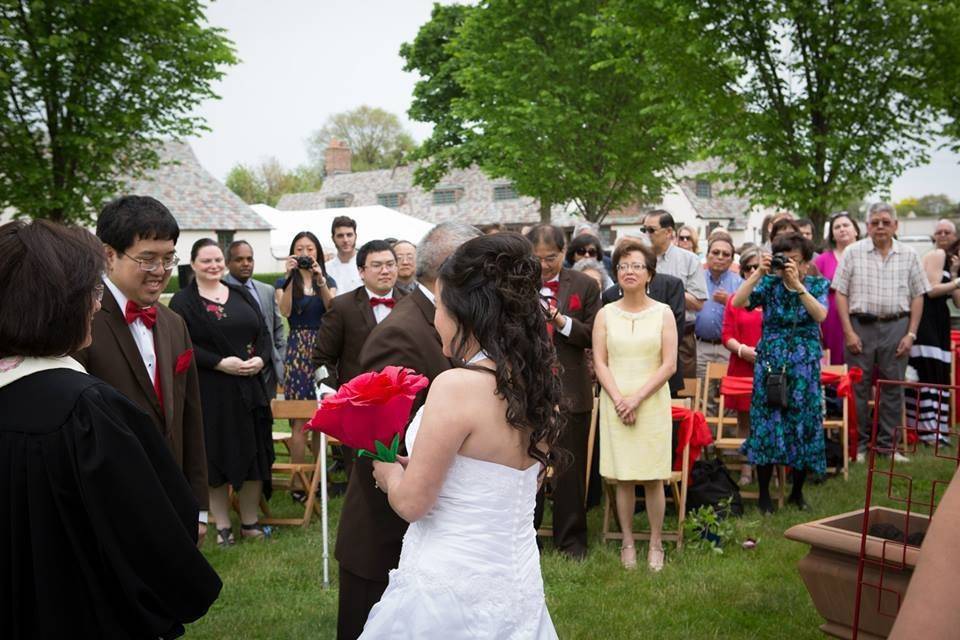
219,296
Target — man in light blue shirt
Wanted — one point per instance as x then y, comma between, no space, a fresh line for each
721,284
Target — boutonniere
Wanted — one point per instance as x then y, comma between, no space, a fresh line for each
183,362
574,303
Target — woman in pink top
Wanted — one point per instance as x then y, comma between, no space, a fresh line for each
843,232
741,333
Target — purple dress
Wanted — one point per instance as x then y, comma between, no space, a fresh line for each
831,327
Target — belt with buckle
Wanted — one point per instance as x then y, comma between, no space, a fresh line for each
709,341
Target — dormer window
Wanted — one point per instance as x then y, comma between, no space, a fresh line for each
504,192
704,189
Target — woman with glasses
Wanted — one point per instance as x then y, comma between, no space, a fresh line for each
231,341
689,239
742,329
786,429
842,232
634,354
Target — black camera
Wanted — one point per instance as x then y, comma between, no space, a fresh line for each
779,261
305,262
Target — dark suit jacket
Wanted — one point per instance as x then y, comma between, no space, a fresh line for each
113,357
577,382
668,290
345,328
370,533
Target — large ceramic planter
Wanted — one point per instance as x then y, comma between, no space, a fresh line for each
830,570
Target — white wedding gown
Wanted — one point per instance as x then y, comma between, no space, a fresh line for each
470,568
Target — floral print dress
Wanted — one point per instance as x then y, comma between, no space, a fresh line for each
790,342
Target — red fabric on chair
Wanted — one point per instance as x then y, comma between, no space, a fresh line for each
693,430
737,385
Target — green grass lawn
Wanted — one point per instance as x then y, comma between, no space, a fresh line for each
274,589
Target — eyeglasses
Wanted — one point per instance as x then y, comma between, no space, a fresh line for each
98,292
717,253
378,266
149,266
636,267
942,232
587,251
650,230
685,238
880,223
747,267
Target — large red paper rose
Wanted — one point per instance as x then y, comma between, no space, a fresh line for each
371,408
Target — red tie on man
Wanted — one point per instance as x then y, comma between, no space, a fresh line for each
554,286
148,316
387,302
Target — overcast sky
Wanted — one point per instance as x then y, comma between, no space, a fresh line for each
303,60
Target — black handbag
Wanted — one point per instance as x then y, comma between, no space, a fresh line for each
777,389
710,484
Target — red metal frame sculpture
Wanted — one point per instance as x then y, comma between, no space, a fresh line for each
882,468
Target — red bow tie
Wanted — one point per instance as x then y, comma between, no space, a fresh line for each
387,302
133,311
553,285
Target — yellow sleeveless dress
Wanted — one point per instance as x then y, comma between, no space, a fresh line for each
640,451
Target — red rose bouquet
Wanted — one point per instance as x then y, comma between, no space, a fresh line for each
370,410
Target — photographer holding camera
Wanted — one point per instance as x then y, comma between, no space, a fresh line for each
303,297
786,423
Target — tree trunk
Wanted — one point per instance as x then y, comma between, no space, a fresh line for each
545,207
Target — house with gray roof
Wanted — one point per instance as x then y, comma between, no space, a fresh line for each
469,195
203,206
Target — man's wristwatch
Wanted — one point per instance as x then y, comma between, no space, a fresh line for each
956,283
912,335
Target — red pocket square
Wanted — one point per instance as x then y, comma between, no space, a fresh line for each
183,362
574,303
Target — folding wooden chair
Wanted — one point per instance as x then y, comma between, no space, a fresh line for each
678,489
719,420
308,473
546,530
840,424
691,390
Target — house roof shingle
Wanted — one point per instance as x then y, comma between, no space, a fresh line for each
195,198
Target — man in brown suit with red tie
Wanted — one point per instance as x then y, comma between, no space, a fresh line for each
140,347
370,533
574,299
352,316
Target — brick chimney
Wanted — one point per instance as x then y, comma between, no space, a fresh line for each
337,158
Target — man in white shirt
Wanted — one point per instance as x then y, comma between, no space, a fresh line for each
343,266
142,348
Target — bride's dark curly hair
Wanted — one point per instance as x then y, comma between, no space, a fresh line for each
491,288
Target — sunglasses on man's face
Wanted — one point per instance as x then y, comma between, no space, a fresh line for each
649,230
587,251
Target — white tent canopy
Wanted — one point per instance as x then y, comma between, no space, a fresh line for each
373,223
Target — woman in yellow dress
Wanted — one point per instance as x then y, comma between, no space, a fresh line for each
635,353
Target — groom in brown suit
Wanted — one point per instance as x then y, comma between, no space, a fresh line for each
370,533
142,348
574,300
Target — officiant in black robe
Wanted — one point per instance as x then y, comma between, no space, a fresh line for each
99,523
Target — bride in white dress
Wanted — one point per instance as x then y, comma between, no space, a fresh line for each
470,567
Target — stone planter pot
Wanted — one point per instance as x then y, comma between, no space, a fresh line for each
829,571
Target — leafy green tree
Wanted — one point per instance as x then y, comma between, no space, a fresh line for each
88,89
269,180
822,103
376,138
557,97
430,56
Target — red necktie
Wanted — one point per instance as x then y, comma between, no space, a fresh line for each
387,302
553,285
133,311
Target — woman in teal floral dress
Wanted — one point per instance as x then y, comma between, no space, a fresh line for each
792,313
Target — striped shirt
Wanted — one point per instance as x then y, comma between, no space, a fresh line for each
878,285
